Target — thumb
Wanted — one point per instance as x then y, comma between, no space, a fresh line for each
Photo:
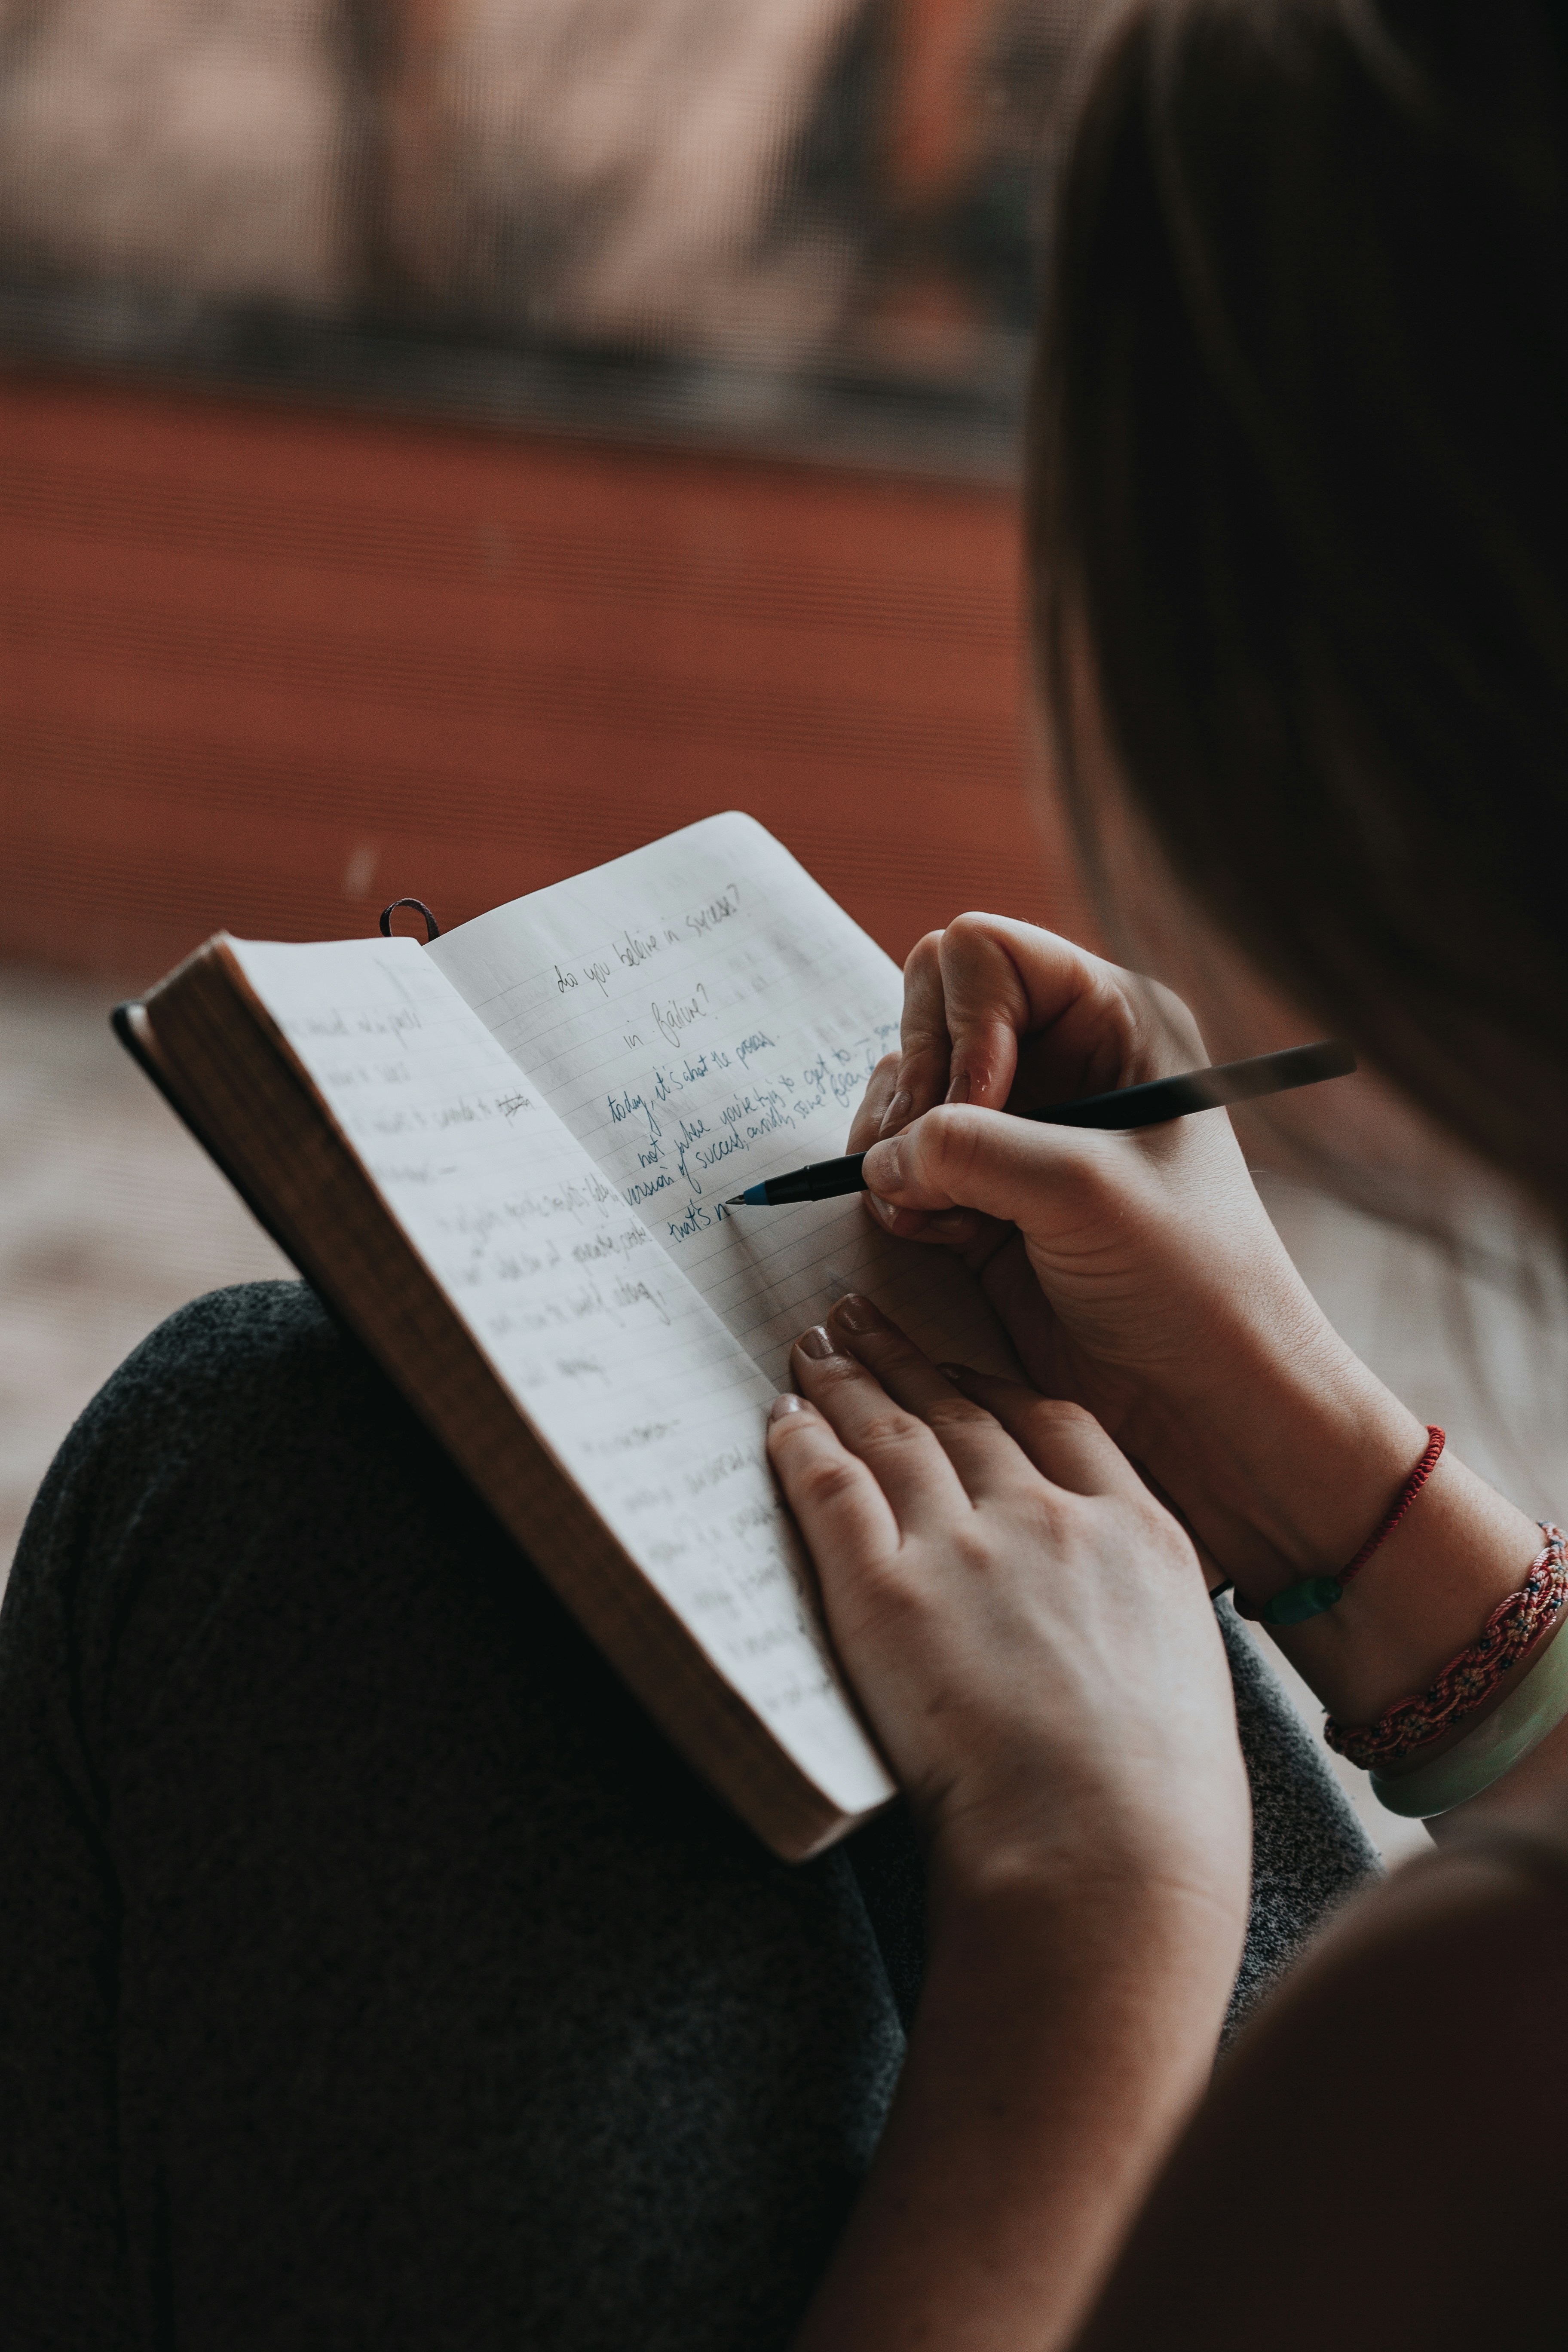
959,1156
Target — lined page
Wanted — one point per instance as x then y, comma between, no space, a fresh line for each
644,1396
702,1016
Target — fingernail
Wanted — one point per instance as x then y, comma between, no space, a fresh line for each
956,1372
889,1162
958,1092
858,1314
816,1343
897,1113
884,1209
782,1406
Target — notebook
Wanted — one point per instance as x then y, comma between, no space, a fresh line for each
503,1156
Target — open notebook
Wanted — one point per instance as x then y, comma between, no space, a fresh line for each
502,1158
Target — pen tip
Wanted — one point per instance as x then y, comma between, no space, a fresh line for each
738,1202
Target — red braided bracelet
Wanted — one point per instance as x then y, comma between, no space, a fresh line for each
1435,1440
1316,1593
1514,1626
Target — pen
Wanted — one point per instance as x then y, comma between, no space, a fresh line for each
1148,1104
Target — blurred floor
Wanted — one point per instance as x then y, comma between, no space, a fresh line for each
110,1217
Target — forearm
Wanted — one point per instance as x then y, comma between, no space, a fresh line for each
1063,2038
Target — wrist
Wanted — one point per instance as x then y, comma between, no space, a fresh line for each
1422,1601
1286,1464
1285,1455
1180,1881
1140,1965
1428,1589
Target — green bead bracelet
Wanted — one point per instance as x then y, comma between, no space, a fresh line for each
1299,1601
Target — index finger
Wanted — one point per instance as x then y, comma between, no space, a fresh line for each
925,1045
1004,980
866,1124
986,1458
1064,1441
974,989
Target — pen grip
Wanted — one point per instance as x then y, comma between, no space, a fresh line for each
830,1178
823,1180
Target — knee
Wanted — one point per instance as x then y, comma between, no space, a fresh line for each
256,1368
237,1421
246,1444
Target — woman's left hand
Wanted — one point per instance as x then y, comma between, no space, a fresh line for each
1026,1627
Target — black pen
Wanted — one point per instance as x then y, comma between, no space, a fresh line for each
1149,1104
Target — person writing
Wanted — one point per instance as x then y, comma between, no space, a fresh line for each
368,1970
1297,532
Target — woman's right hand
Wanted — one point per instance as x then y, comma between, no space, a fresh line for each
1137,1274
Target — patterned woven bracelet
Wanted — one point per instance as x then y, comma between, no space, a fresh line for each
1316,1593
1513,1628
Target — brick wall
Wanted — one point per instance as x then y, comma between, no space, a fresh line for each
267,668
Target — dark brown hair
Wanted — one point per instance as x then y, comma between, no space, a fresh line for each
1300,472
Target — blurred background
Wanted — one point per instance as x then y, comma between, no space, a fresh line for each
446,442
